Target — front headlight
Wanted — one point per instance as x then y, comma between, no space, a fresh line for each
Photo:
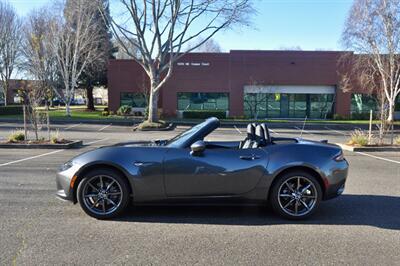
66,166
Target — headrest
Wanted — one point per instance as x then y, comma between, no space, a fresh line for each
266,131
251,129
260,132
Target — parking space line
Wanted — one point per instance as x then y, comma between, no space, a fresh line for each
93,142
273,132
238,130
45,154
72,126
337,131
30,158
377,157
101,129
308,132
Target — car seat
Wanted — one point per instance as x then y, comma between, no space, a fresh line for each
249,140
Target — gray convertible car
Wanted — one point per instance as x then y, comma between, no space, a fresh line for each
293,175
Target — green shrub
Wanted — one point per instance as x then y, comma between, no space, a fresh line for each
124,110
339,117
106,109
16,136
105,113
11,110
358,137
153,125
360,116
55,137
203,114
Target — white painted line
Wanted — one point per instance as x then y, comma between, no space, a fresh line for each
30,158
92,142
337,131
45,154
240,132
273,132
101,129
379,158
308,132
72,126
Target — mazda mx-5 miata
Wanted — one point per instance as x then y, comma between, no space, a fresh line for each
293,175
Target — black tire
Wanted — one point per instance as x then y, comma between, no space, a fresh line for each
117,198
292,195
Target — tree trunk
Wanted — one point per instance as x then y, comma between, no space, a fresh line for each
153,103
5,90
90,100
390,117
67,108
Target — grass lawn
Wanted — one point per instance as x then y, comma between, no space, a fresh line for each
77,113
80,113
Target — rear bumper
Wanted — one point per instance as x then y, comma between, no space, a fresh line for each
335,182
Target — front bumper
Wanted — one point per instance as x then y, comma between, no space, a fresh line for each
63,182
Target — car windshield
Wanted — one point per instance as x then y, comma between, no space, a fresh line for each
184,136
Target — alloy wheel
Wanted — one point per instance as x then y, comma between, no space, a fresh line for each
102,194
297,196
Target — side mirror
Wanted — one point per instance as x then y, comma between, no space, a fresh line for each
197,148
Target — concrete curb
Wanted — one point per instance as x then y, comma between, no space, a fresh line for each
369,149
72,145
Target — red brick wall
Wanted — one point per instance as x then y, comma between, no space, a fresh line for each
230,72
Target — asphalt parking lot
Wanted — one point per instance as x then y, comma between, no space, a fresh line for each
360,227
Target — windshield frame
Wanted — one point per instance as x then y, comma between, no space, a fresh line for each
193,134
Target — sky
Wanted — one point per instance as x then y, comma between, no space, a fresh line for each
278,24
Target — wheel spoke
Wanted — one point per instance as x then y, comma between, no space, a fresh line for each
287,204
285,195
91,196
298,184
104,206
96,189
305,188
109,186
101,182
113,193
296,207
305,205
95,203
112,202
287,184
308,196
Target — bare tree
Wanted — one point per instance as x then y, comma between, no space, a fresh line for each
75,38
210,46
161,30
39,58
10,40
124,45
373,30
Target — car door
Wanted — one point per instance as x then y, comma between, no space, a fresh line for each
215,172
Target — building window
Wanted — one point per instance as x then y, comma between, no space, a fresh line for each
362,103
321,105
203,101
134,99
287,105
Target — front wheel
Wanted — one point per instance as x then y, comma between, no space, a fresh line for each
103,194
296,195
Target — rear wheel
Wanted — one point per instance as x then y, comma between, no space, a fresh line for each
103,193
296,195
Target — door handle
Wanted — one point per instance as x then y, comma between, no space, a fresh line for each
249,157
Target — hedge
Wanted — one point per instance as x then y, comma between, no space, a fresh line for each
11,110
202,114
